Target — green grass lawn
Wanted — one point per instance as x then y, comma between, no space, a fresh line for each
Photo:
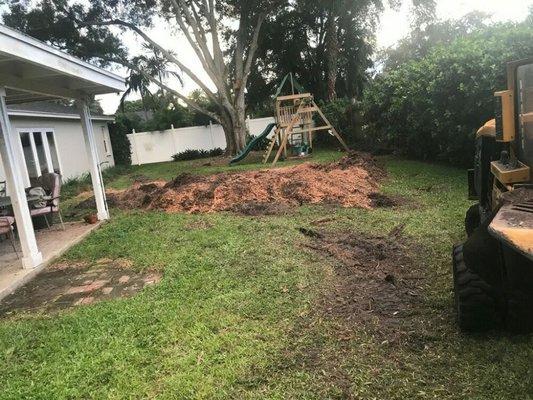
235,314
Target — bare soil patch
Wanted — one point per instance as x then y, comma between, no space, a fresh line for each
374,285
69,285
374,289
349,182
380,200
263,208
87,204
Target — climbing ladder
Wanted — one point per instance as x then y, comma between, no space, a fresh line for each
271,145
297,113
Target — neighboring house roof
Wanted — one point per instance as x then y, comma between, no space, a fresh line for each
48,109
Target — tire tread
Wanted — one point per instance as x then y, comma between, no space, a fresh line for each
476,301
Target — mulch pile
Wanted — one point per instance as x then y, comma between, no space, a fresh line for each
349,182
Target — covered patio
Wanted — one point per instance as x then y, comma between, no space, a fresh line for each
31,71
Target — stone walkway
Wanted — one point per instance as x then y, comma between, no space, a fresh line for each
51,242
65,286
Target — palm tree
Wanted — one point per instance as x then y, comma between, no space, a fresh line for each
136,82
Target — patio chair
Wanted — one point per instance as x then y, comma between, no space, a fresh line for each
3,193
6,228
51,183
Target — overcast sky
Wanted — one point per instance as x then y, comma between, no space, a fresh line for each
394,25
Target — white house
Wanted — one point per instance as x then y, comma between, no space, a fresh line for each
31,71
48,136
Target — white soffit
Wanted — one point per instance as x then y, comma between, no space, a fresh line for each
32,70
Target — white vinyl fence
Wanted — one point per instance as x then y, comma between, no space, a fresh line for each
160,146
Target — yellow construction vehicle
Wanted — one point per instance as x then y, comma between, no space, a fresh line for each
493,268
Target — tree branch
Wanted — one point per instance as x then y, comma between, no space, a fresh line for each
253,47
201,30
217,78
195,26
180,96
163,86
168,55
213,27
239,55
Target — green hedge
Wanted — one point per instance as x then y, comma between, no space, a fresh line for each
190,154
345,117
430,108
120,142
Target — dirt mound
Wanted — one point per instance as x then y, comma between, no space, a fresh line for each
348,182
255,209
374,285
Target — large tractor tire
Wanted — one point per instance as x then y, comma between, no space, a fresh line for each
476,301
472,219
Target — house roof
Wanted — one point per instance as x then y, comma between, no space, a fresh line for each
49,109
32,70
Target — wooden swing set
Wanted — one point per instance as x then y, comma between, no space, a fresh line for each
295,124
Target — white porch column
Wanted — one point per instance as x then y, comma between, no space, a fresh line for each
94,162
32,257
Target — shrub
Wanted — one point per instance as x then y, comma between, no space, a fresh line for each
73,186
430,108
344,115
119,142
197,154
164,118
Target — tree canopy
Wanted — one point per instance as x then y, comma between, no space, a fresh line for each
430,106
222,33
328,45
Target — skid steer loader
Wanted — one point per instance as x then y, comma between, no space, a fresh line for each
493,268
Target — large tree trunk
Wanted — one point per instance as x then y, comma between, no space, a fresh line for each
332,55
231,146
234,127
239,132
240,123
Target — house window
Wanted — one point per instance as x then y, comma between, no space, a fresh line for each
40,151
106,145
30,154
41,154
53,151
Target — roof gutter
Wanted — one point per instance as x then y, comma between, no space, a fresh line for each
42,114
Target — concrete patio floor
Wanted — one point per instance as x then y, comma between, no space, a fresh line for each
52,243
